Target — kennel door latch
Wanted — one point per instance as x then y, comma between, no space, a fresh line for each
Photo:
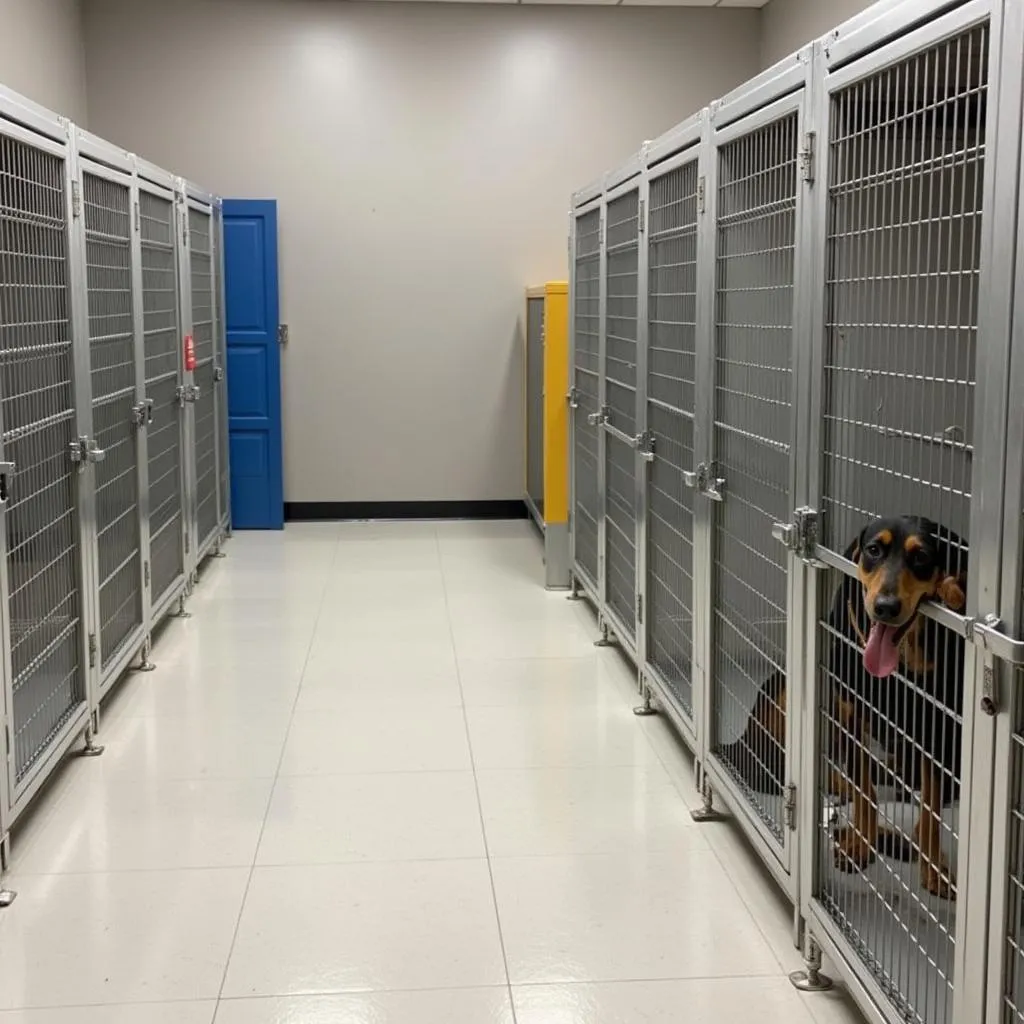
789,808
573,398
801,535
987,634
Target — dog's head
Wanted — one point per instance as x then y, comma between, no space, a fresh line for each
902,561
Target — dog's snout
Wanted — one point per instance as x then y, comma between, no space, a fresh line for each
887,607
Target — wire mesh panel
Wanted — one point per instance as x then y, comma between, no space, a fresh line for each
44,596
906,152
107,212
535,402
586,357
203,327
756,236
621,301
162,354
206,453
671,355
1013,949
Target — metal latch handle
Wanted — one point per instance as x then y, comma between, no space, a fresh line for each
594,418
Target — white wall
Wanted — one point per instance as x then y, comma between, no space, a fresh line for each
786,25
41,54
422,156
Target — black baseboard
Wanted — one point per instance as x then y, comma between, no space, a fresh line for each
319,511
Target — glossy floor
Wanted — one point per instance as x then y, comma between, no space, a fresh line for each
382,777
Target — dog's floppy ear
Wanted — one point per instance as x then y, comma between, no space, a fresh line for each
952,592
852,552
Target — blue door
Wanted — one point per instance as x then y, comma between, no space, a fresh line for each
254,363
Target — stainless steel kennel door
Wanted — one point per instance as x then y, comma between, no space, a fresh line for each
903,250
619,411
585,397
116,413
669,446
43,594
204,377
756,202
162,346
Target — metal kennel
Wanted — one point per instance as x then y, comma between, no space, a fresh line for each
830,331
93,459
43,413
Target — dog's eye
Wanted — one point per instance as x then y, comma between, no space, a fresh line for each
873,550
920,559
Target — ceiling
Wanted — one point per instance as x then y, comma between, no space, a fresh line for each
627,3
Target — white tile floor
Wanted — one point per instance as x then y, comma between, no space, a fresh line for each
382,777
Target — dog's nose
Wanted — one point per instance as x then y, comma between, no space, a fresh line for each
887,609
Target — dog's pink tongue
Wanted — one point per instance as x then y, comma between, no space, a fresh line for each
881,654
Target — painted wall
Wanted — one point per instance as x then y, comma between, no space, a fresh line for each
423,156
786,25
41,53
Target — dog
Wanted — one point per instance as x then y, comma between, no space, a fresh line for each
894,679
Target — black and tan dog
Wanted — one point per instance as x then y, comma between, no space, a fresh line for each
895,678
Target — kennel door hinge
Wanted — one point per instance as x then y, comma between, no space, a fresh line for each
188,542
801,535
84,450
76,199
573,398
806,157
6,472
640,609
218,373
701,193
789,808
139,413
641,218
92,650
138,216
145,574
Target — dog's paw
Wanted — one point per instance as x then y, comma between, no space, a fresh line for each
938,880
851,851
